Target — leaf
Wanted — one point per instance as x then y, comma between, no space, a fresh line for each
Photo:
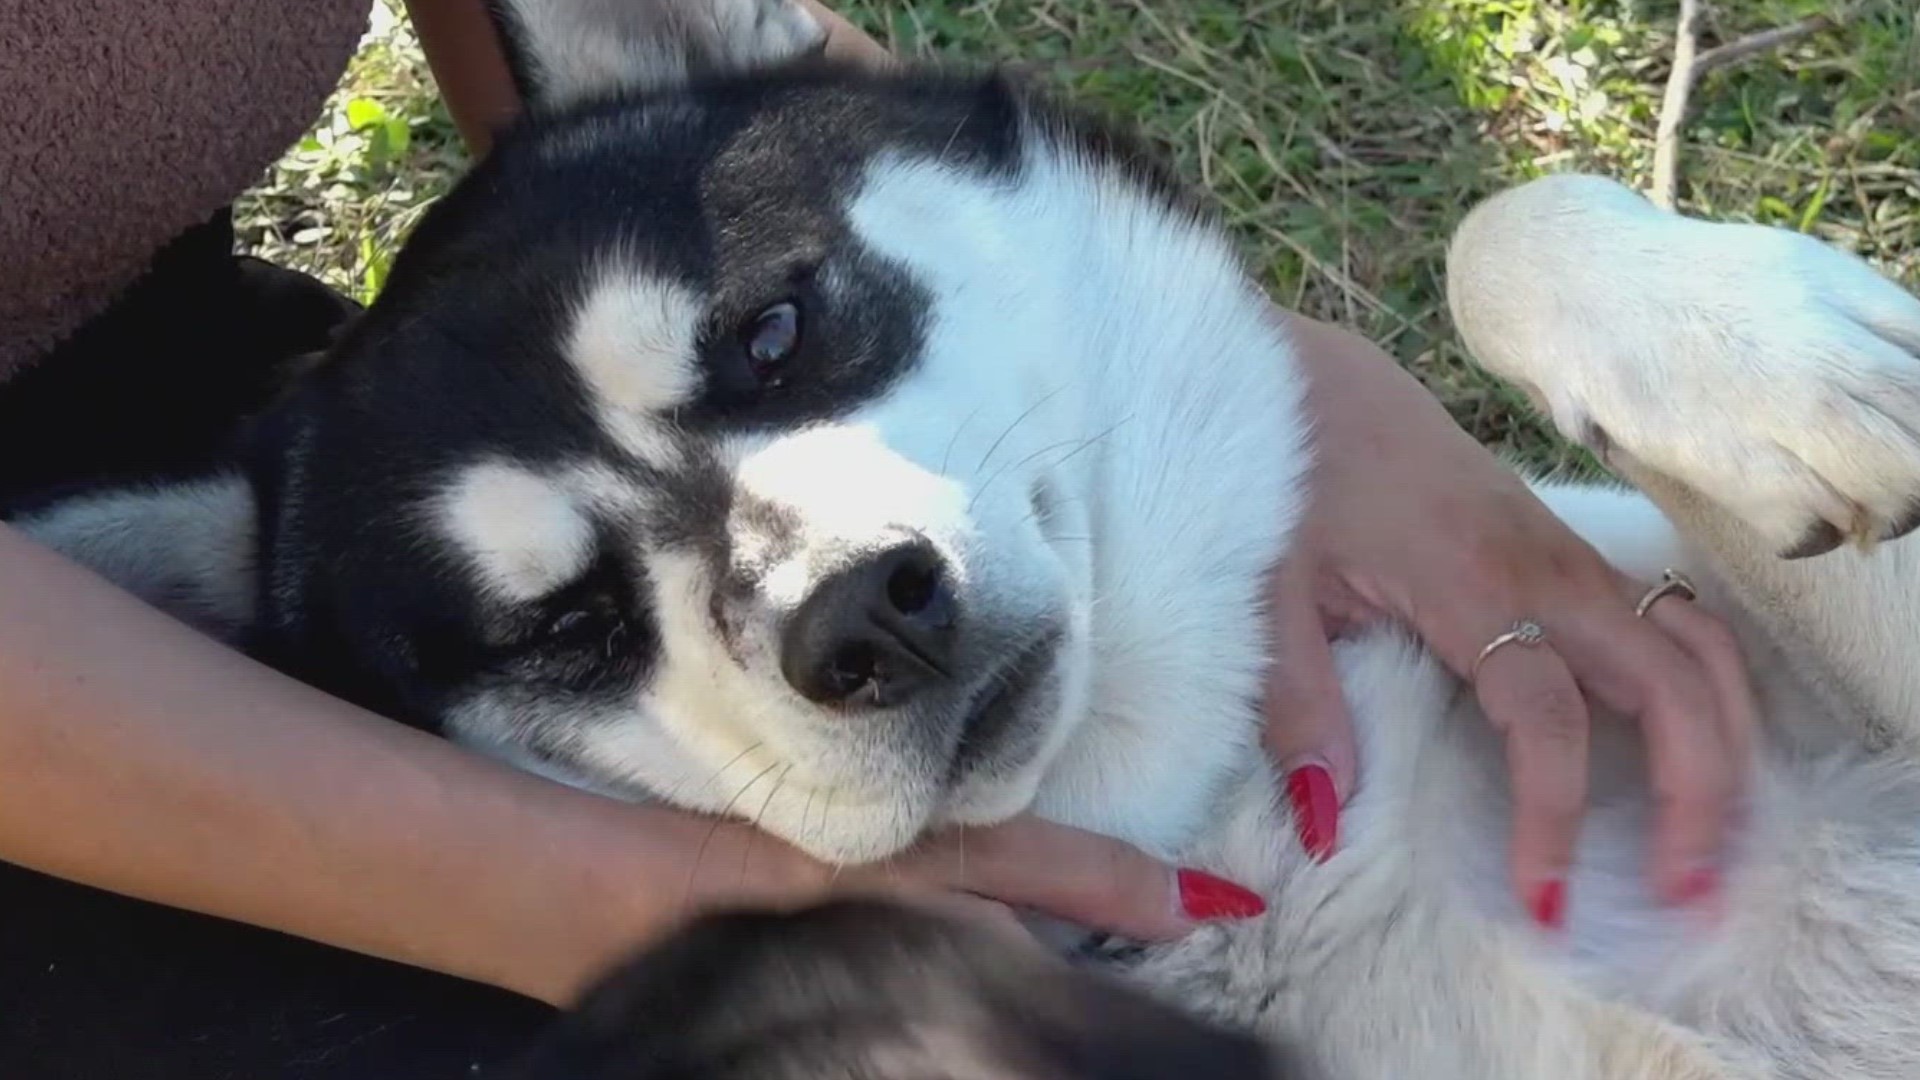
1811,213
363,113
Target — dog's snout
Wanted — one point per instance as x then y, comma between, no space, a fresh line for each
876,633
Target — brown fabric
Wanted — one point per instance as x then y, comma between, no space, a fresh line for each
124,122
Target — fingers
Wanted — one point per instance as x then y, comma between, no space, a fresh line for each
1308,731
992,915
1693,827
1678,674
1081,877
1529,694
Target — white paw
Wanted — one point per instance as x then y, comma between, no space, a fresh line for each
1766,370
762,33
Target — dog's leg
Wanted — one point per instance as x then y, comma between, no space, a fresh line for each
571,49
1762,387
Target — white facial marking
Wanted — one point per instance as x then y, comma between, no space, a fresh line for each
523,533
633,340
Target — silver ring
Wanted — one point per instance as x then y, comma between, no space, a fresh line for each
1671,581
1525,632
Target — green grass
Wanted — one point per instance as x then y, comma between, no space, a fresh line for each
1343,137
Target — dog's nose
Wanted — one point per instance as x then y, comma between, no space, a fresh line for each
876,633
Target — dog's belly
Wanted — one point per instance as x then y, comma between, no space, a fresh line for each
1414,916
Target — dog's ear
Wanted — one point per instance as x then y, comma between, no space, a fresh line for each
186,547
567,51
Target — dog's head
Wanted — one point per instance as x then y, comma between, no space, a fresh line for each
726,444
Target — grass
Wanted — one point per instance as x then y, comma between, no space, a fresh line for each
1342,138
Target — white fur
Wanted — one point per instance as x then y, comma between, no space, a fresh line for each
186,548
584,48
633,340
522,533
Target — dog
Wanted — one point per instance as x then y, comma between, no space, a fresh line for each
864,453
867,988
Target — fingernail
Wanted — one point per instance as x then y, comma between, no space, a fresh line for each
1548,905
1697,885
1316,809
1206,898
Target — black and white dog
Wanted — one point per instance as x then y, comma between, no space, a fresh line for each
864,453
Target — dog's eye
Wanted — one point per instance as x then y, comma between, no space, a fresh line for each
771,339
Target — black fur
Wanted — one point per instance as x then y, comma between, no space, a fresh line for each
869,989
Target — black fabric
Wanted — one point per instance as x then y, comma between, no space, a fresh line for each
156,385
95,986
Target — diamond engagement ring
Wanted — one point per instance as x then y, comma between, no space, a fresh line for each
1525,632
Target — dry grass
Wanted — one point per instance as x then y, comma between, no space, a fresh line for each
1342,138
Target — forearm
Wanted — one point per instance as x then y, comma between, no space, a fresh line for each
139,757
1354,382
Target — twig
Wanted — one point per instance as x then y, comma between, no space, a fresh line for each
1689,66
1673,107
1735,51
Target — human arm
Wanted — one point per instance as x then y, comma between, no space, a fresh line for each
140,757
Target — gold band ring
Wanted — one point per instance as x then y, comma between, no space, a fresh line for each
1671,581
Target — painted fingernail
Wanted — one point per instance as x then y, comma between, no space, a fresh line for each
1697,886
1206,898
1316,809
1548,904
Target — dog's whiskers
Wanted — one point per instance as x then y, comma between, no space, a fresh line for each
726,812
715,774
947,454
1082,446
747,854
1017,421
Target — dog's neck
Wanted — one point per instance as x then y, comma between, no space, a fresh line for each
1193,485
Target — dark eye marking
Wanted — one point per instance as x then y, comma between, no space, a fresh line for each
583,615
754,352
594,632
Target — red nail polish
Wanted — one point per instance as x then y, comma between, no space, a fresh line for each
1206,898
1697,885
1316,809
1548,905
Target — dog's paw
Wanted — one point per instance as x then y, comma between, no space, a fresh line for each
875,990
575,50
1767,371
752,34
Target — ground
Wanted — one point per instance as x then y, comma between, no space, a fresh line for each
1343,138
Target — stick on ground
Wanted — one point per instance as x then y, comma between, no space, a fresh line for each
1689,66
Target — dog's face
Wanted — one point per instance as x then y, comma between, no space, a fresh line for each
721,448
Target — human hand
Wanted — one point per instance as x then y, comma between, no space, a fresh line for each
988,873
1414,521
